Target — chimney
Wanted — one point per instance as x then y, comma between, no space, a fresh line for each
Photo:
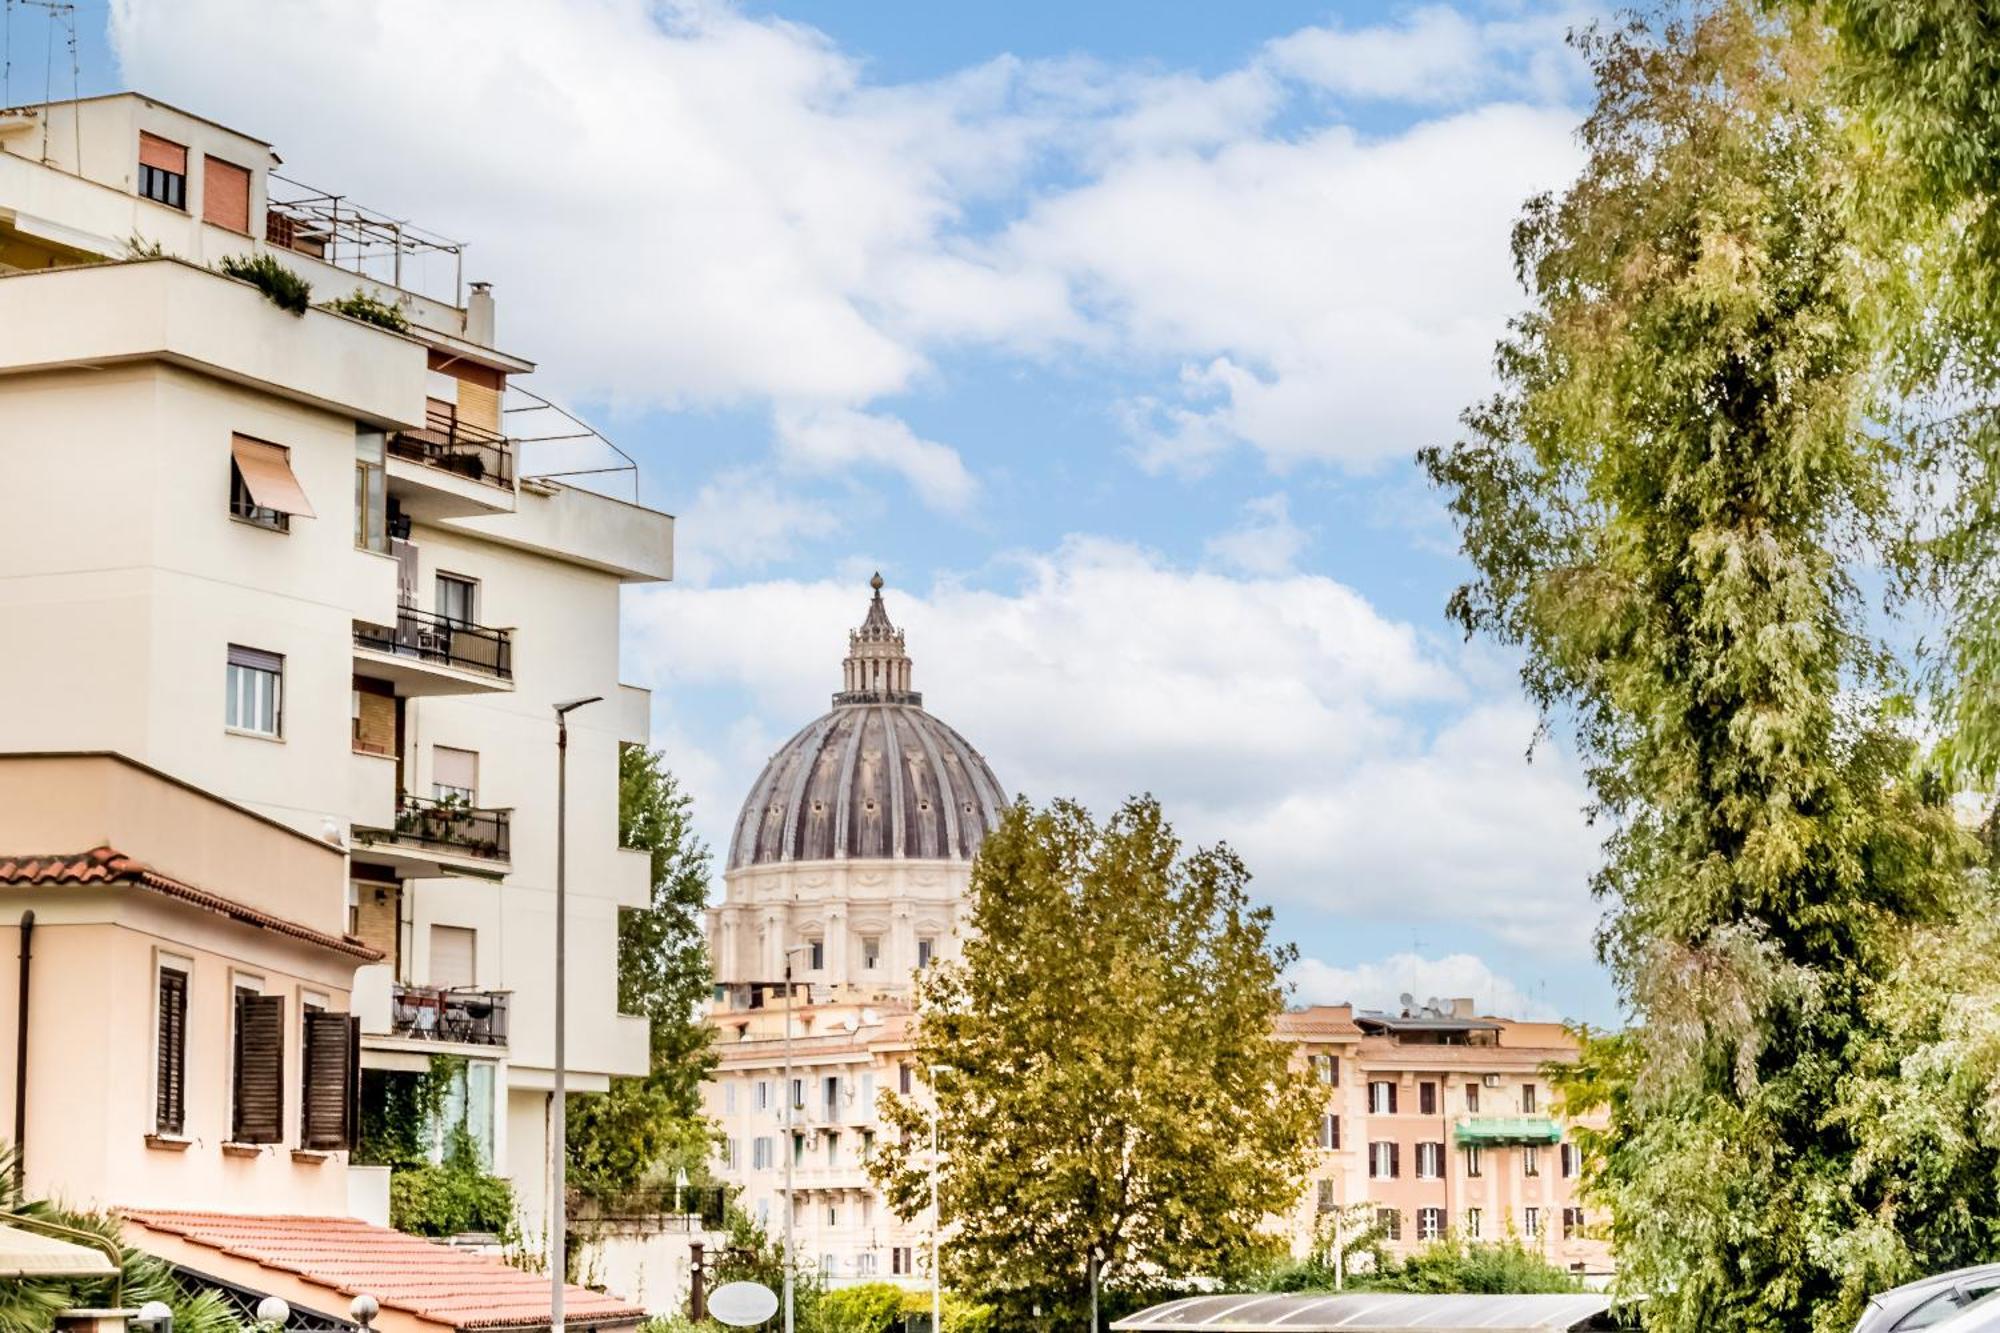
479,314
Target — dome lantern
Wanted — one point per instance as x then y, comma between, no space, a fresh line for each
877,669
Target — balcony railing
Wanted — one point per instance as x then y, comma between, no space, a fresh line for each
437,1013
434,638
445,826
668,1207
458,446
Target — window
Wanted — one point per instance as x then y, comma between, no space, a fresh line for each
867,1145
867,1095
763,1095
225,194
330,1078
798,1148
864,1264
1531,1160
454,775
170,1078
815,954
163,168
1571,1159
1472,1224
257,1067
798,1094
1427,1099
1473,1160
1382,1098
244,505
833,1215
1327,1069
1472,1097
1384,1161
262,487
1527,1099
763,1213
832,1149
871,952
457,599
1326,1200
899,1261
1430,1223
1329,1131
926,948
371,499
829,1263
1572,1223
732,1152
1430,1161
256,680
454,956
760,1153
905,1081
830,1093
729,1097
1531,1223
1389,1221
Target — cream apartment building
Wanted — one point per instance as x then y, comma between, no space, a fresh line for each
303,563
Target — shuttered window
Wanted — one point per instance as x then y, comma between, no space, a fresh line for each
162,170
225,194
170,1078
455,773
257,1083
255,682
454,956
331,1079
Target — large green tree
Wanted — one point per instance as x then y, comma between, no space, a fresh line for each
647,1127
1106,1076
1665,506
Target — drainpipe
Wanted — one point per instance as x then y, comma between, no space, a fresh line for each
21,1056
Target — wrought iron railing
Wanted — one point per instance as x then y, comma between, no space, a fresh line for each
458,446
435,638
668,1207
455,1013
446,826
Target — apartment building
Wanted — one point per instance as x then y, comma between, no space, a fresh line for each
307,564
1439,1119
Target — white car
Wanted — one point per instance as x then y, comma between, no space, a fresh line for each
1928,1302
1982,1316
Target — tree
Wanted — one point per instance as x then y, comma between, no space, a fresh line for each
1114,1086
647,1127
1664,507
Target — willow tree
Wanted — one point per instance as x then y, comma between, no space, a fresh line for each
1105,1070
1664,506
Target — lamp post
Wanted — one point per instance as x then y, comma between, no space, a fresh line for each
788,1146
937,1217
1096,1267
559,1204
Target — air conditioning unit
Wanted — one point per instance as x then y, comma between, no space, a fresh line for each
1491,1080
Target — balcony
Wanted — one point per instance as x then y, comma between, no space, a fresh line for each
456,1014
426,653
439,837
459,447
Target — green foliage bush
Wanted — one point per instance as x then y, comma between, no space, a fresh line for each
284,288
453,1196
370,310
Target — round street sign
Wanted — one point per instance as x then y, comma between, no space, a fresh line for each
742,1304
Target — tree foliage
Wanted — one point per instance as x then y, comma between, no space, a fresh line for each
649,1127
1665,506
1107,1079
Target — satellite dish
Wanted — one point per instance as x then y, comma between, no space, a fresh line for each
742,1304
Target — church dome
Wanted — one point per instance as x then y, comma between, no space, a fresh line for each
876,778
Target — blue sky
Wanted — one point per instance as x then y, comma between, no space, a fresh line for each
1106,332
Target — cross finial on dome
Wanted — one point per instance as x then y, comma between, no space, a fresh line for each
877,669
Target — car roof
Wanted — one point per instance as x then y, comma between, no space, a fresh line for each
1901,1300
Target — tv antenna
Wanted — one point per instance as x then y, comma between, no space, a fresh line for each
61,12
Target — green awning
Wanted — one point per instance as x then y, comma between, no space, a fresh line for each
1509,1129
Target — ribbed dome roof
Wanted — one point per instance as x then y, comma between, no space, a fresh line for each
875,778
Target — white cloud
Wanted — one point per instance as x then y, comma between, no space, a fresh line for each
687,205
1334,748
1381,985
740,521
830,440
1265,542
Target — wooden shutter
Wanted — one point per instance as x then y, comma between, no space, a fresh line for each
259,1094
170,1086
331,1081
1392,1099
225,194
1395,1161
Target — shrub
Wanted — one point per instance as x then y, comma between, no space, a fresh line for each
282,287
370,310
873,1307
452,1196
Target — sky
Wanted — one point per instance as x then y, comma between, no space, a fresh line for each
1106,332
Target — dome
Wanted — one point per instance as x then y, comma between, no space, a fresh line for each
875,778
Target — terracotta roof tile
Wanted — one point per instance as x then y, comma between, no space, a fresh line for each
106,865
430,1280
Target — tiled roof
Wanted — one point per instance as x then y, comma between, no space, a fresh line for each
429,1280
1319,1020
105,865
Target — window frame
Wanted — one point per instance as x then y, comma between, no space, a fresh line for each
244,508
182,967
443,578
260,661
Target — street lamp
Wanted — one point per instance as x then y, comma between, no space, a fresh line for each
1096,1267
559,1240
937,1218
788,1146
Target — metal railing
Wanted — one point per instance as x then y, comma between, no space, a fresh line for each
668,1207
454,1013
457,446
430,637
335,230
445,826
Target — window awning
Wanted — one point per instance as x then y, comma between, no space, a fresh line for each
1508,1129
26,1254
267,475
